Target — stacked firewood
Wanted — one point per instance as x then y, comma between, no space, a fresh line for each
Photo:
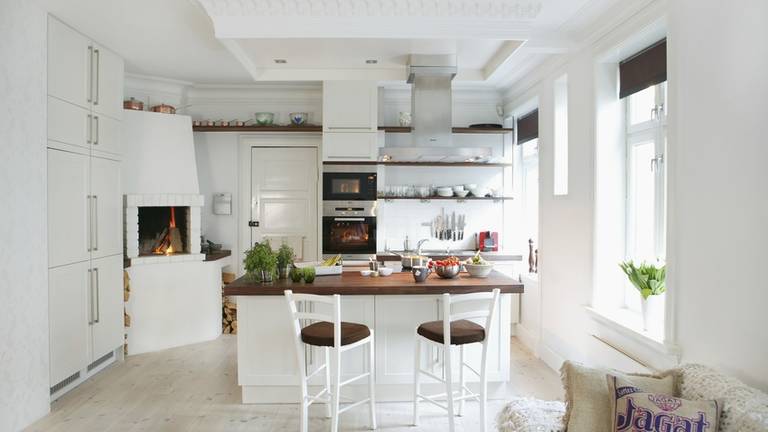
229,307
126,317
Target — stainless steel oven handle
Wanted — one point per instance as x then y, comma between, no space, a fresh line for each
341,219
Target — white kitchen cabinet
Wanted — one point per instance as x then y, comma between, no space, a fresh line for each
68,319
107,211
108,77
68,124
350,146
350,106
107,305
106,136
69,64
68,208
397,318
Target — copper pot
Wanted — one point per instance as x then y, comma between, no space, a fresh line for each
163,108
133,104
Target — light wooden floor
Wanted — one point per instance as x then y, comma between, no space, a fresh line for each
194,388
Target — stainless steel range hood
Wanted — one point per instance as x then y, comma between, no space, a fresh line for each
431,99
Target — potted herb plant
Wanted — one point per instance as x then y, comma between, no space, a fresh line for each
285,258
650,282
260,262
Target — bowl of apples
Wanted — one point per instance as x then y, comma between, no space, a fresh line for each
478,267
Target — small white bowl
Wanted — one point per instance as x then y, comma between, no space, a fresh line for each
365,272
462,193
445,192
470,186
385,271
458,188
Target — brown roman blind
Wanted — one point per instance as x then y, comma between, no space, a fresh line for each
644,69
528,127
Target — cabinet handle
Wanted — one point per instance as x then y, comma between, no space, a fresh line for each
90,296
96,222
98,288
90,129
89,234
90,73
98,66
96,139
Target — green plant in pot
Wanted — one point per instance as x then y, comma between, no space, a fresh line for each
309,274
285,257
296,274
260,262
650,282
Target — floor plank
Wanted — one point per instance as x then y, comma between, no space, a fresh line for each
194,388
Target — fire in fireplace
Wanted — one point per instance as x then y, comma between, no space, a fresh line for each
163,230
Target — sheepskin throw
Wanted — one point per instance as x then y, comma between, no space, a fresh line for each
531,415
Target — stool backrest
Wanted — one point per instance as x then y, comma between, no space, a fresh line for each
486,310
303,315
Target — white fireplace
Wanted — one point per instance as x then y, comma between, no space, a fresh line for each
144,218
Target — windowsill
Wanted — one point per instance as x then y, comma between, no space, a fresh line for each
629,325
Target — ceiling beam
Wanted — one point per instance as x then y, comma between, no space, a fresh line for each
239,53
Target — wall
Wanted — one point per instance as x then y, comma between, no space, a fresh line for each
719,184
717,189
24,361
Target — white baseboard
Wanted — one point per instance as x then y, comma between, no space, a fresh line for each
528,338
551,358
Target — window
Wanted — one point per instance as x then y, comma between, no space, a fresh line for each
530,188
561,136
646,179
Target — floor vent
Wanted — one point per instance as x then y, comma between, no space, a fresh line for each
101,360
67,381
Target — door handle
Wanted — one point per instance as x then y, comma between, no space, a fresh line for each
98,288
351,219
253,224
96,222
90,296
98,66
90,73
90,129
96,139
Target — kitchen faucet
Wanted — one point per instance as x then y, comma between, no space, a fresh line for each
418,245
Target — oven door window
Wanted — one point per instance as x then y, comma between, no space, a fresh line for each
349,235
345,186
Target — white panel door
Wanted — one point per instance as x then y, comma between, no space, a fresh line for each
68,208
350,106
69,64
351,146
397,318
284,188
107,288
107,231
108,82
69,123
68,319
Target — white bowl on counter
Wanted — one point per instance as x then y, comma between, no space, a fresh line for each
478,270
365,273
385,271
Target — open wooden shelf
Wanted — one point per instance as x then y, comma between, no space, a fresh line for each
421,164
310,128
454,198
460,130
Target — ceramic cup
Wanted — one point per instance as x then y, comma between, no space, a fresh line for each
420,273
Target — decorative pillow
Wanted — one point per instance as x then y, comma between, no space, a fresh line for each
587,400
635,410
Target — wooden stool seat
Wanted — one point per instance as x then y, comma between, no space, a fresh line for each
462,332
321,333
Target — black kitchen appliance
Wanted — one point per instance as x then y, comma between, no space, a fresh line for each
348,183
349,229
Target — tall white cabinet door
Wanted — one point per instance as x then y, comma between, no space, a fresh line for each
69,64
69,124
350,106
107,231
397,318
68,208
107,83
106,135
68,319
107,290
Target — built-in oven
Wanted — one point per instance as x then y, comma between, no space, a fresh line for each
349,229
348,183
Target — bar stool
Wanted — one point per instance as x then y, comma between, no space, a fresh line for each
329,332
456,329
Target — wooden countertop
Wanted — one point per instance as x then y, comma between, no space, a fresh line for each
488,256
352,283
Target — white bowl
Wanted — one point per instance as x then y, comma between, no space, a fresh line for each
458,188
445,192
470,186
462,193
480,191
479,270
365,272
385,271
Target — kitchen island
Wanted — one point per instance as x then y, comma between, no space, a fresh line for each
392,306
